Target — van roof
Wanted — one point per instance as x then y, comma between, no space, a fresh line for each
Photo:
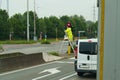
87,40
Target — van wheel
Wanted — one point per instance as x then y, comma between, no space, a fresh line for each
80,73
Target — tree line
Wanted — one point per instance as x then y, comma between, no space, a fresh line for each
16,26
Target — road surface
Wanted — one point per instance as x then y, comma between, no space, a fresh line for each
57,70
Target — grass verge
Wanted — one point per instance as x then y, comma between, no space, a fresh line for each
54,53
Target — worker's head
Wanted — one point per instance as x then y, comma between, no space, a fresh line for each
69,24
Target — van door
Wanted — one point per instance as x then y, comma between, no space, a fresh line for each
87,56
93,56
84,56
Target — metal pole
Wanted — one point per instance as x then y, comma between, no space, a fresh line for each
56,34
27,20
34,22
11,31
8,6
0,3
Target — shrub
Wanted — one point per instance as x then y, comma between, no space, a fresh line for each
45,42
54,53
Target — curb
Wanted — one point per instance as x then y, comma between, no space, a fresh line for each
48,57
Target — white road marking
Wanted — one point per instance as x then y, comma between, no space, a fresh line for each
11,72
52,71
68,76
15,71
42,77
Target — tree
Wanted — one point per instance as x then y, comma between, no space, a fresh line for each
49,28
42,27
92,28
17,27
79,24
65,19
57,27
31,23
4,25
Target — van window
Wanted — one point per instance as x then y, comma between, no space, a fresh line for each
88,48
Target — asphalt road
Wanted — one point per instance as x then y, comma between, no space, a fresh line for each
57,70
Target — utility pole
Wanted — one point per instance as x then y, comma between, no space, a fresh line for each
0,3
34,23
8,6
28,20
94,14
11,31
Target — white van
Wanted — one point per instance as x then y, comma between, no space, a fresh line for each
86,59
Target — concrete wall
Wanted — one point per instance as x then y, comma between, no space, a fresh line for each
13,63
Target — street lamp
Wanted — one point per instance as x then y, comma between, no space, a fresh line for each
34,23
8,6
28,20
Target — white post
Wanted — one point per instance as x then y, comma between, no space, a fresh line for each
8,6
28,20
34,22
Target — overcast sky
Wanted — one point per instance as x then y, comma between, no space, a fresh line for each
46,8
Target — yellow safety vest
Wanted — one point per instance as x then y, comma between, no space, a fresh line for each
69,34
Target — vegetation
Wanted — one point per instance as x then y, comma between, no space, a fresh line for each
15,27
54,53
17,42
45,42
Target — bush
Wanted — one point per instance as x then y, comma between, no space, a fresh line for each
45,42
54,53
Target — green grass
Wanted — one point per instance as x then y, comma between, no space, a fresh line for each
17,42
45,42
53,40
48,41
54,53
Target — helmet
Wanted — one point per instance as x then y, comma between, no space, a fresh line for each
69,24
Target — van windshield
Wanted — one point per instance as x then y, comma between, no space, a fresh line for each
88,48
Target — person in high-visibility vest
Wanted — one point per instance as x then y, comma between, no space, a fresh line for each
68,32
